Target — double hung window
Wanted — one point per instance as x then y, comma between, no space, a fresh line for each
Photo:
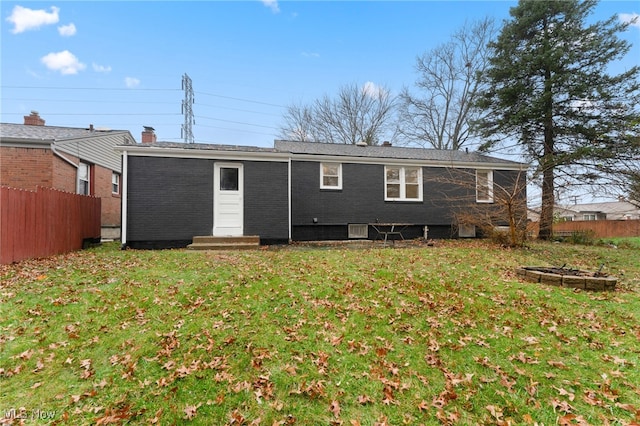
330,176
84,177
115,183
484,186
403,183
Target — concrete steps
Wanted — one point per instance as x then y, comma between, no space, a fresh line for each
209,242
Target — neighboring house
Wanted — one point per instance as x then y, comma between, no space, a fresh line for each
616,210
69,159
296,191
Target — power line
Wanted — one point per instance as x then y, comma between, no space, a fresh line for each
100,114
237,122
91,88
239,109
101,101
241,99
141,90
235,130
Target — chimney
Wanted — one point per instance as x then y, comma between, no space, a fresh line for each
33,119
386,143
148,135
91,127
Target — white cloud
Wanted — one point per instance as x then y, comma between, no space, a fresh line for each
372,90
26,19
131,82
67,30
272,4
65,62
310,54
101,68
632,18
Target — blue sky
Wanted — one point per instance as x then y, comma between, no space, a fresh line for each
119,64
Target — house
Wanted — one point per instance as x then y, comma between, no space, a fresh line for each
612,210
615,210
297,191
78,160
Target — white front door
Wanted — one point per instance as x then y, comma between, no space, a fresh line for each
228,203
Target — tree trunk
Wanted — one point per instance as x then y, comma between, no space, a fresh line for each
548,160
548,201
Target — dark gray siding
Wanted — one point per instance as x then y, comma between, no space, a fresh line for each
266,206
361,199
169,199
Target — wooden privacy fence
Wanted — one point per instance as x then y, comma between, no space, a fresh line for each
600,228
45,222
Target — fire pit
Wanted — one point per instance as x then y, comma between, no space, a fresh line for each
565,277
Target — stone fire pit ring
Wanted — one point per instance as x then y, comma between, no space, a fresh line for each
570,278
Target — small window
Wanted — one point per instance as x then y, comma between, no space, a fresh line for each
358,230
589,216
115,183
229,179
330,176
83,178
484,186
403,183
466,231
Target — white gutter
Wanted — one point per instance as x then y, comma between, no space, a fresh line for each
123,208
58,154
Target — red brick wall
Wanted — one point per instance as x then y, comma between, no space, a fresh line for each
110,201
64,174
25,168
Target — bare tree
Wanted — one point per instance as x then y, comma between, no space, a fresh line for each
502,214
440,115
298,124
356,114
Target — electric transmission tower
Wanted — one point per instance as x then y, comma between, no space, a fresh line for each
187,109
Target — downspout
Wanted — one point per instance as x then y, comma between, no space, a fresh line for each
289,194
123,204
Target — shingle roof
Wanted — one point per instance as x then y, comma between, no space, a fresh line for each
349,150
48,133
374,153
612,208
209,147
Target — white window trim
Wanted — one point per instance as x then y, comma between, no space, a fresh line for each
117,176
489,185
336,187
403,195
78,180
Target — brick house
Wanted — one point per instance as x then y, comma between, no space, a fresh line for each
302,191
78,160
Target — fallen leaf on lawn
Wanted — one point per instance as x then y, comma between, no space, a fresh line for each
364,399
190,411
565,392
496,412
335,408
237,417
558,364
572,419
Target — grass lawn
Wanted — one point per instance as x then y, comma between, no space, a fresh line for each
416,335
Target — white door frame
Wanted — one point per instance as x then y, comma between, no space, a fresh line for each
228,204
